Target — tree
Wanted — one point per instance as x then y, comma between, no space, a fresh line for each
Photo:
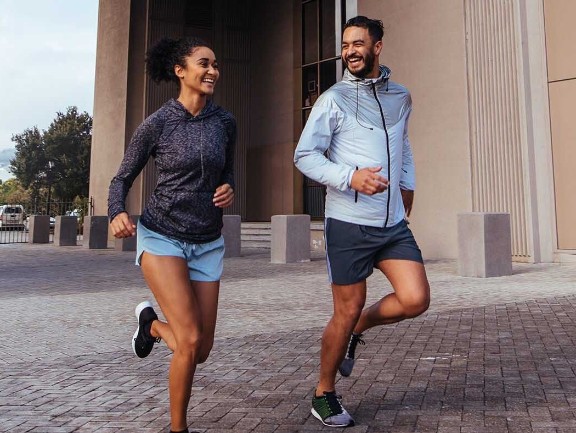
67,142
57,159
12,192
29,164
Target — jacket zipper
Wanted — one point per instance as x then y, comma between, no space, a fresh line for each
387,149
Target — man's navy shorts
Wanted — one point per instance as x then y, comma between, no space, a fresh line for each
353,250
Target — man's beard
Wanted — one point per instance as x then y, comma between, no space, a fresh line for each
369,60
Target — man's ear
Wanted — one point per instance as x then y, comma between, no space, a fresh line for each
378,47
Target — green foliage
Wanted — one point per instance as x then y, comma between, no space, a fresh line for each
58,158
12,192
29,164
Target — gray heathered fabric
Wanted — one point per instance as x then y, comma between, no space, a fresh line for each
194,155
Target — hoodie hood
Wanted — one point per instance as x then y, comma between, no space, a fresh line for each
176,108
385,73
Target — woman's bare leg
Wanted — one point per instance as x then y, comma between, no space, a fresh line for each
168,278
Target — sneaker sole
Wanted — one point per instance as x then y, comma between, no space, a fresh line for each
134,341
137,311
319,418
347,370
140,307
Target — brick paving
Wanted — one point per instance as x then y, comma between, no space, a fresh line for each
491,355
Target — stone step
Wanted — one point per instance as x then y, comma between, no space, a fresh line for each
256,235
259,234
265,245
256,231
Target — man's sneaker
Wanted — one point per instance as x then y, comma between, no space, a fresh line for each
347,364
328,409
142,342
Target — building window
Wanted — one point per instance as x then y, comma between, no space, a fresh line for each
322,22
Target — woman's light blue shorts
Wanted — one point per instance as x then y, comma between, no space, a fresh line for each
205,261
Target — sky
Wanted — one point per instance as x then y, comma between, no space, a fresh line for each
47,63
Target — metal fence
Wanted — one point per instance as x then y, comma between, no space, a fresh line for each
54,208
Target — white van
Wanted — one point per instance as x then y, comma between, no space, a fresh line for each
11,216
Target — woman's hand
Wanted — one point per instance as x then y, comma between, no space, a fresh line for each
224,196
122,226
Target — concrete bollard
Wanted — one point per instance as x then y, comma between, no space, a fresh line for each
232,235
290,239
484,244
39,229
127,244
95,232
65,231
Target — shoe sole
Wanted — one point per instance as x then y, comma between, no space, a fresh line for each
319,418
137,311
140,307
346,373
134,341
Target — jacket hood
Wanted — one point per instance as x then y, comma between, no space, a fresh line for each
385,73
176,108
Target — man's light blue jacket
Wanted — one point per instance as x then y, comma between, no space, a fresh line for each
355,124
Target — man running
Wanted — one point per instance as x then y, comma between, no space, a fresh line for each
356,143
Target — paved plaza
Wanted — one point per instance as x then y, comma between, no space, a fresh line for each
491,355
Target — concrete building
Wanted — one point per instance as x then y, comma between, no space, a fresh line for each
493,84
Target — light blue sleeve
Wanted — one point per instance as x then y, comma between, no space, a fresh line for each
324,121
408,175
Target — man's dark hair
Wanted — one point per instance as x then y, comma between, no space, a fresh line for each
375,27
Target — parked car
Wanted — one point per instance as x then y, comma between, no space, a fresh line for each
12,216
75,212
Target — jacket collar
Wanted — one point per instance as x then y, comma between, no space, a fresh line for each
179,110
385,73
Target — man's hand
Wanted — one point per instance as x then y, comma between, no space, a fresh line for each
122,226
407,199
224,196
368,181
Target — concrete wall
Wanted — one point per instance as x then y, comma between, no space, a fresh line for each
424,45
560,42
270,186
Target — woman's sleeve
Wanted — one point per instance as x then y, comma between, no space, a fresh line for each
135,158
228,172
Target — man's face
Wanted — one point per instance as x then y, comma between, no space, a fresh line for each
359,53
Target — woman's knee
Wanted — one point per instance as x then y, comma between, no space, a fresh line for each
190,346
205,349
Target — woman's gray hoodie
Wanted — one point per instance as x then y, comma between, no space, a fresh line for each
194,155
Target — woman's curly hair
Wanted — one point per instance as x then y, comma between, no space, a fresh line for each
167,53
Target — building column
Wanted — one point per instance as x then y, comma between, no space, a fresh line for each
538,144
110,98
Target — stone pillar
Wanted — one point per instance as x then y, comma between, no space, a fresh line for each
95,232
127,244
290,239
232,235
484,244
39,229
65,231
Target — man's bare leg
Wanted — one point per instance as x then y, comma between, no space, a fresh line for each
411,295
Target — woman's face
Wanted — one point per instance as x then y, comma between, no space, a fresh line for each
200,72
